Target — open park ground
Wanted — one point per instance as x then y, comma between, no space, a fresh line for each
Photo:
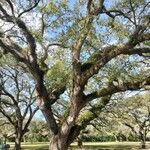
88,146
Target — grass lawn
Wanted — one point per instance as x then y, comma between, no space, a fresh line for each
112,145
30,146
88,146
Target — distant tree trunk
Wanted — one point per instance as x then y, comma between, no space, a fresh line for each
142,138
17,143
79,142
115,136
24,139
18,138
143,142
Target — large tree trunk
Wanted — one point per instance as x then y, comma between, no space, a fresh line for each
67,133
58,143
18,137
62,142
63,135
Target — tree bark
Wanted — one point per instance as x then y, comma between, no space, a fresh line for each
143,142
58,143
68,131
63,141
18,142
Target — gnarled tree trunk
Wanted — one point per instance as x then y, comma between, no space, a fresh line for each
62,141
66,135
58,143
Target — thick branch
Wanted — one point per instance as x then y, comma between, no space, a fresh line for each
31,41
3,11
77,50
111,89
93,9
99,59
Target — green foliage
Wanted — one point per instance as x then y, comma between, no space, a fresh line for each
51,8
59,25
119,29
85,116
38,132
57,76
8,60
121,68
125,3
97,138
55,7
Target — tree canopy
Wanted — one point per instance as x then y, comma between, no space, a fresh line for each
79,54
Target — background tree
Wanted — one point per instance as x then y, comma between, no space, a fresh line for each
68,46
131,112
6,131
38,131
136,116
17,102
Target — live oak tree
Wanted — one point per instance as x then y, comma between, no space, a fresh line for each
136,116
17,102
134,113
126,113
38,131
65,45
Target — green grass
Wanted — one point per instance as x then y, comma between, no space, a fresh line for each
88,145
30,146
112,145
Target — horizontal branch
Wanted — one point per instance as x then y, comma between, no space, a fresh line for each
112,89
100,58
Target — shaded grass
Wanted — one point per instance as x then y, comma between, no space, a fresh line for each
30,146
88,146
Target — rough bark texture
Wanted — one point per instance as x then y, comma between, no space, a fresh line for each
65,133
